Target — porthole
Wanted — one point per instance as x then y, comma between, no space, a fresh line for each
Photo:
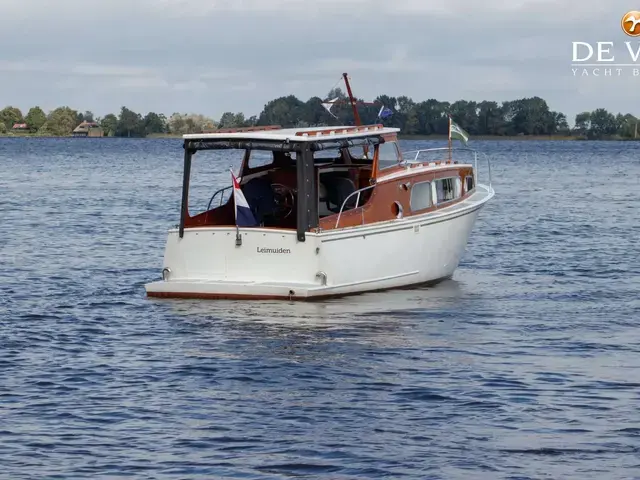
397,210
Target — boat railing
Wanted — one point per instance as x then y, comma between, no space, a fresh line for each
357,193
221,192
415,159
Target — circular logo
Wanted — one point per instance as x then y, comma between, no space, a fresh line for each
631,23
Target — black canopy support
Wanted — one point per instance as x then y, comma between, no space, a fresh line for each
307,203
188,153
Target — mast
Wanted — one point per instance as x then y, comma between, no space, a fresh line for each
356,116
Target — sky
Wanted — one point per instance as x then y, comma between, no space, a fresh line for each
212,56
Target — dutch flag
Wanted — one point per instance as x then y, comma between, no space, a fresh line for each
244,216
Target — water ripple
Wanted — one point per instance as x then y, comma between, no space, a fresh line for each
523,366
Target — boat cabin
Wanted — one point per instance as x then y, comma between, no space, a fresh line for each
314,179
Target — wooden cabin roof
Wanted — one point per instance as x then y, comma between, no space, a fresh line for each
309,134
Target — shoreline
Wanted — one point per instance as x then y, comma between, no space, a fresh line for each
496,137
556,138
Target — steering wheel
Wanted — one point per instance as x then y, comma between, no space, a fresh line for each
285,198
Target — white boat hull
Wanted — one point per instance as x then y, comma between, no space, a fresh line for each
206,263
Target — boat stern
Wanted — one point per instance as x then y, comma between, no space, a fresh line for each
222,262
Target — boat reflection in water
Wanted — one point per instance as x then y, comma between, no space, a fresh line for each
404,318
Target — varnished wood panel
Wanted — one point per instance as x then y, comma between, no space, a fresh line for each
380,206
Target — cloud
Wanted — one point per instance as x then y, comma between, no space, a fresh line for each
212,56
110,70
190,86
245,87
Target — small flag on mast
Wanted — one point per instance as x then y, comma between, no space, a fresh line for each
329,104
456,132
244,216
385,112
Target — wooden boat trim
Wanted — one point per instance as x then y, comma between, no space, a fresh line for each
391,189
397,190
416,220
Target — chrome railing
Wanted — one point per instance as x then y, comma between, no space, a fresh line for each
418,152
488,168
221,196
455,149
357,193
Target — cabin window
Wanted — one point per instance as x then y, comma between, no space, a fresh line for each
469,185
358,155
332,155
421,196
208,189
448,189
388,155
260,158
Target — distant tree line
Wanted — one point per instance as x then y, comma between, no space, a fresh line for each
523,117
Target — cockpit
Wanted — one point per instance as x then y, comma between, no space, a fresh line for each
269,182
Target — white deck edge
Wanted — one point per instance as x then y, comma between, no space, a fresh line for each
290,134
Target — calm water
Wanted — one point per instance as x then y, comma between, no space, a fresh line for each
525,365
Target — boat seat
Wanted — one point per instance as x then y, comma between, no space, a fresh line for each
260,198
337,190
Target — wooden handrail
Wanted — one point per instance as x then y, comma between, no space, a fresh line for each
245,129
341,130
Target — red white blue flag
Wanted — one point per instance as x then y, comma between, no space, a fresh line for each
244,216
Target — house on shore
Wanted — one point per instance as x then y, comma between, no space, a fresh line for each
88,129
20,128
